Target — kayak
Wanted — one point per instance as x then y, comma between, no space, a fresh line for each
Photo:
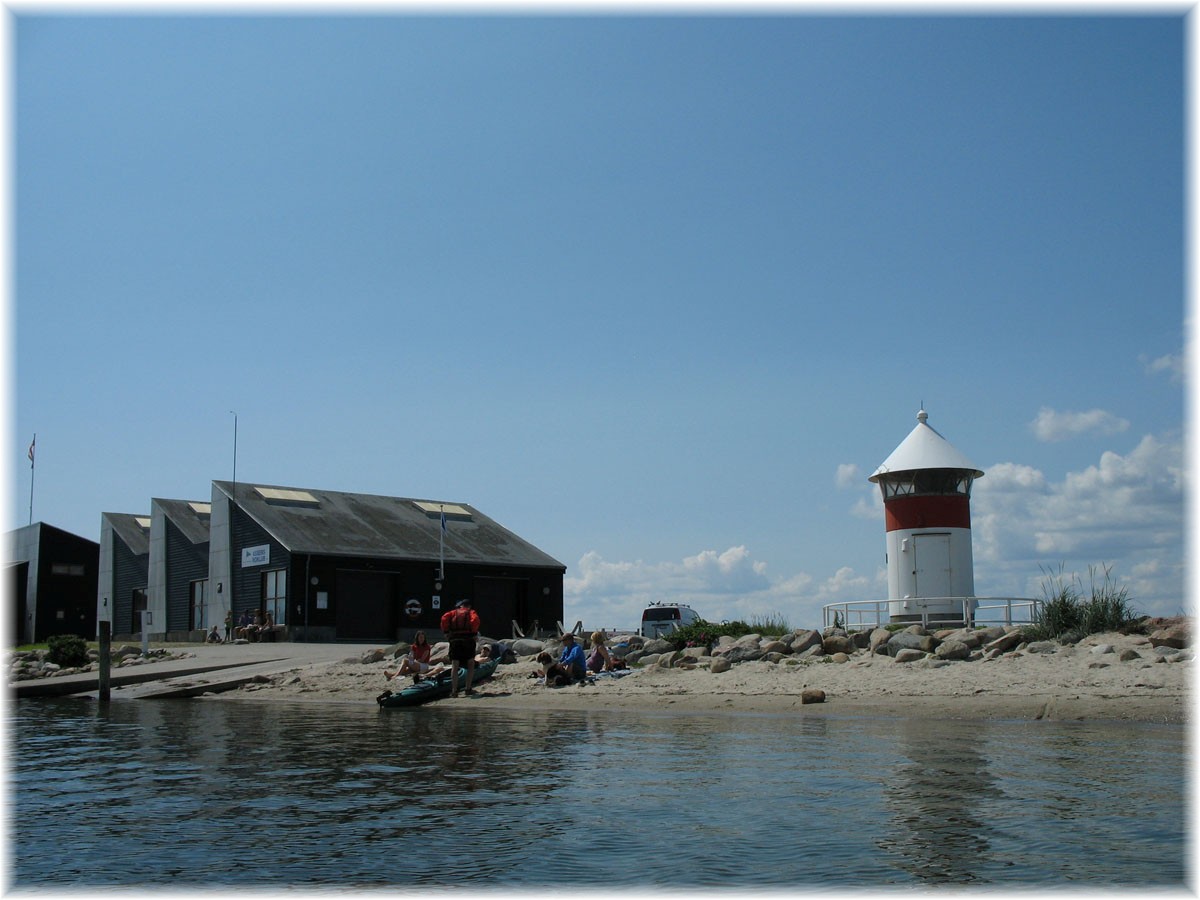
434,688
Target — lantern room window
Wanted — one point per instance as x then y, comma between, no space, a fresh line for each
926,481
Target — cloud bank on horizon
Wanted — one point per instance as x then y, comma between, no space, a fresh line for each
1120,516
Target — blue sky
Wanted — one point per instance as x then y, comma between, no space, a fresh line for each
656,292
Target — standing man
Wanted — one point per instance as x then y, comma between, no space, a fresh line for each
461,626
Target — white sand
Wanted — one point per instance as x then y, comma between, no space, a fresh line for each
1073,683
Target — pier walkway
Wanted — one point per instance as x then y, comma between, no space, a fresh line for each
211,668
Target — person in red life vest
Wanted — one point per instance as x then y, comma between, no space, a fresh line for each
461,626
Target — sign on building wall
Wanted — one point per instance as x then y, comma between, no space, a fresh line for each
256,556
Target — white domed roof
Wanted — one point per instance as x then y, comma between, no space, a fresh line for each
924,448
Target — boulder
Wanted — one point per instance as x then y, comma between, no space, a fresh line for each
861,639
1175,636
775,647
1128,655
911,640
837,643
878,640
839,657
812,695
1101,649
1042,647
372,656
1004,643
968,636
952,649
748,641
527,647
744,654
658,645
908,654
804,640
833,631
720,664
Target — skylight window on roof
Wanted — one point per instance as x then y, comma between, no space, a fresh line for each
143,522
201,509
436,509
285,497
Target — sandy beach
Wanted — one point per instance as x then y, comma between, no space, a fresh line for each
1087,681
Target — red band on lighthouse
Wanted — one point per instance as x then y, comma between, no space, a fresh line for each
928,511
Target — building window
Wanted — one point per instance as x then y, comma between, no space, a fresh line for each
66,569
275,595
199,595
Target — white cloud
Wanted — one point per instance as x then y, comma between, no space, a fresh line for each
1172,364
1125,511
1052,425
848,475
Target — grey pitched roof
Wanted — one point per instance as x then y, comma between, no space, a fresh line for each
367,525
183,513
130,531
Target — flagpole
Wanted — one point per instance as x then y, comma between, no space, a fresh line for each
442,545
32,472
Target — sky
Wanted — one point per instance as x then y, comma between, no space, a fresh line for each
656,292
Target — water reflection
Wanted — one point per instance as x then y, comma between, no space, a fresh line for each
935,834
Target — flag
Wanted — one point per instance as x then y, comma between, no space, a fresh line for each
443,518
31,446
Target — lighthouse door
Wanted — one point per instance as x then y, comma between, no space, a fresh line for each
931,565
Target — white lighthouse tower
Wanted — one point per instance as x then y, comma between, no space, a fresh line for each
926,486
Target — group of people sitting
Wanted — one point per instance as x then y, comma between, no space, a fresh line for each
416,662
260,627
571,667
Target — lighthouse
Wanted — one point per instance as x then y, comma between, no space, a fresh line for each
926,485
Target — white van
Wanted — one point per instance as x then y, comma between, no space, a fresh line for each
663,618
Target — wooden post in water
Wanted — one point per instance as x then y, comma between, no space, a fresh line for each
105,658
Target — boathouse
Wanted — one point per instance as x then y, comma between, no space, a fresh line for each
51,582
331,566
178,569
122,590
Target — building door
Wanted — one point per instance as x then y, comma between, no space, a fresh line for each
198,591
365,606
139,606
932,565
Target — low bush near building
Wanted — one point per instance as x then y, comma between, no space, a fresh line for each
67,650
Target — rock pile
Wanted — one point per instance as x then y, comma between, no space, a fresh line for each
1170,640
24,665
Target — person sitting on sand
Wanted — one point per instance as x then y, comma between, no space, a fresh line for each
214,636
570,667
416,661
599,659
572,658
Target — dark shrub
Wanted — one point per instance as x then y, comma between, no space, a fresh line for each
67,650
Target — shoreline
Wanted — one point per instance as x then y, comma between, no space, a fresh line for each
1085,682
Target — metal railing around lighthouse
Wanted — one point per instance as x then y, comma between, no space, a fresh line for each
855,615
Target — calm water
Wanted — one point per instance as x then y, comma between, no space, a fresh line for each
173,792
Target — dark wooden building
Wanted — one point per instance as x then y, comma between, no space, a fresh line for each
123,589
348,567
52,577
178,569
